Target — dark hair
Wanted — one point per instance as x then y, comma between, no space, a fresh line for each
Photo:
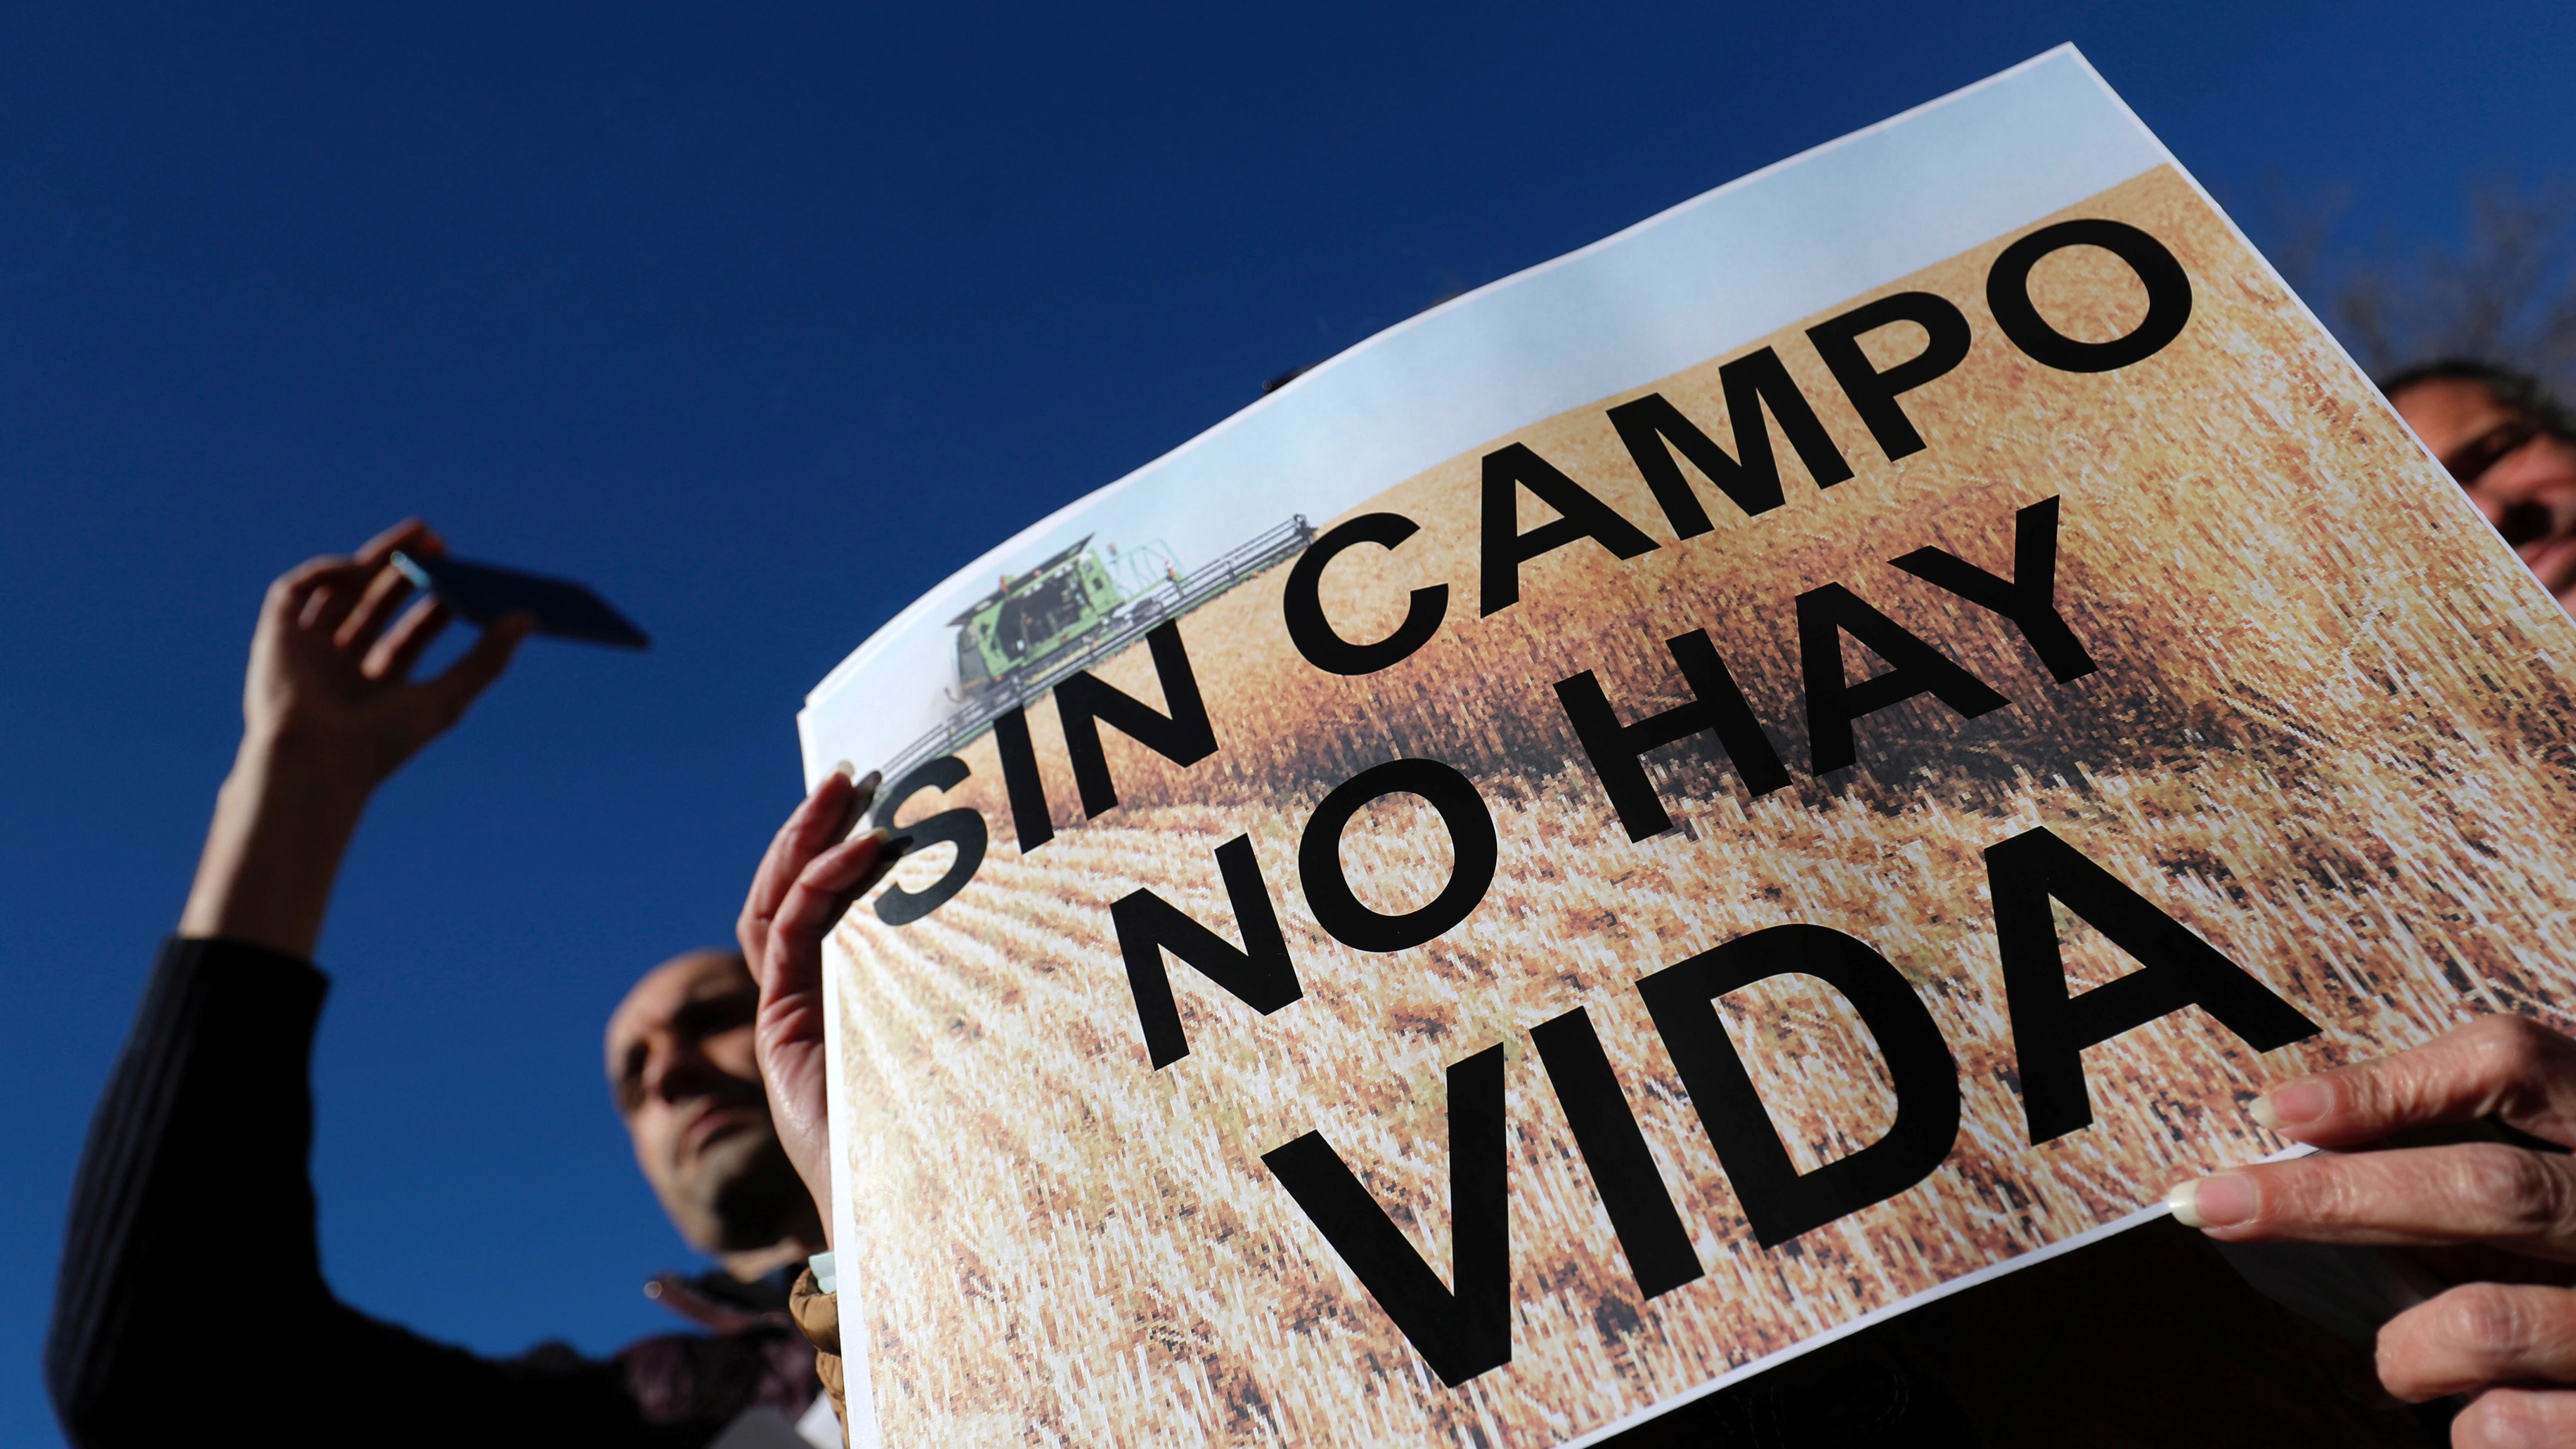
2514,390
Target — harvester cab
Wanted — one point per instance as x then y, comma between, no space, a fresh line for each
1031,617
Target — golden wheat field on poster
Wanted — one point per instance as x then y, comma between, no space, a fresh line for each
1821,746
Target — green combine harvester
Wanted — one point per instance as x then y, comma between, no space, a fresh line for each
1030,618
1066,614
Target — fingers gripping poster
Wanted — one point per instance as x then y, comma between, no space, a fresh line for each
1819,747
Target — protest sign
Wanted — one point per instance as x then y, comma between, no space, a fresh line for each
1817,748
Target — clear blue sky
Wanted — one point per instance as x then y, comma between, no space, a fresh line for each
765,318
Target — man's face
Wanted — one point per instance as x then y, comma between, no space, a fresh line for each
2523,479
681,1069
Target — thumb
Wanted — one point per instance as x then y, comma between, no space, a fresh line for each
474,670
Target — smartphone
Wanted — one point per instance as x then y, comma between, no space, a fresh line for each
482,593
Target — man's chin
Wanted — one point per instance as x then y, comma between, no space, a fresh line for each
745,1192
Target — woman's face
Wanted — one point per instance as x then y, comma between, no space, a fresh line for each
2522,478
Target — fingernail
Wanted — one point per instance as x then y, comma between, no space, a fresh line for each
845,859
846,770
2295,1105
2212,1202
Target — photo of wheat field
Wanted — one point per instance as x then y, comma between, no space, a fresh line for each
2329,734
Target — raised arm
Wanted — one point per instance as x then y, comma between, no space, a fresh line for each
329,712
191,1291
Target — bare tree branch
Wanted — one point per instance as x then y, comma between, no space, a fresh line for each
2506,295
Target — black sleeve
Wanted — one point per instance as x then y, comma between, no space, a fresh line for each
191,1298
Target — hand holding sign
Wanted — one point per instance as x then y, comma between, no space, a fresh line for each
808,878
2482,1336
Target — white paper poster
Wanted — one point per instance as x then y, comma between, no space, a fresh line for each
1814,748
